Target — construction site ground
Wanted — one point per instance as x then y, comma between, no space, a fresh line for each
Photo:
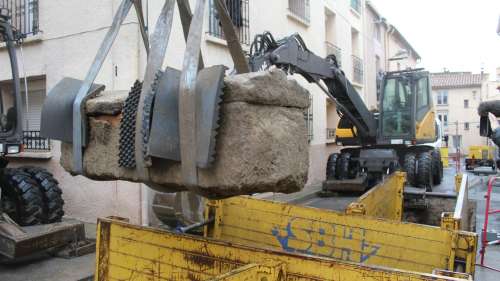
82,268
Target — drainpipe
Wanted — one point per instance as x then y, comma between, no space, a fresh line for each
387,47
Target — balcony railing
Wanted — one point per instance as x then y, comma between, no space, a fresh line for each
332,49
239,12
330,134
357,69
33,142
301,9
24,16
356,5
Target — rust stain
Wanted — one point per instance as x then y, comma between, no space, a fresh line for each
200,260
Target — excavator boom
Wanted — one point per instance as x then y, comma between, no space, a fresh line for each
292,55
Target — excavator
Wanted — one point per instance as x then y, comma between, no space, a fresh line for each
31,204
402,135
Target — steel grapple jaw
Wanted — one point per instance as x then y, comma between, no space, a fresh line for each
172,115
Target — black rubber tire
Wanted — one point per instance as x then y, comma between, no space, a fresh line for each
424,170
409,165
25,192
8,205
437,167
53,202
343,165
331,166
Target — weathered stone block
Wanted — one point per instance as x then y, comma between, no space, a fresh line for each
261,146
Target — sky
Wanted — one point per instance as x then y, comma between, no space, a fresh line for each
459,35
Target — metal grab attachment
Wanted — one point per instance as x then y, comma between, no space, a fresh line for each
177,111
187,98
55,110
159,43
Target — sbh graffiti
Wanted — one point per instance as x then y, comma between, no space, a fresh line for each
325,239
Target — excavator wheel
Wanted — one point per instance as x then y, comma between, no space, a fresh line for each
23,197
8,205
343,165
437,167
331,166
410,168
424,170
52,193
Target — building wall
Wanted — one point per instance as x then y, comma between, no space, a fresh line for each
394,44
458,113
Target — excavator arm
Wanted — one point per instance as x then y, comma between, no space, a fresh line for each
291,55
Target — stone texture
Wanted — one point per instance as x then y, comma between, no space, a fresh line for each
106,103
254,88
261,146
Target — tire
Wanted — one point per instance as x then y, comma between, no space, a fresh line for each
27,196
52,195
343,165
437,167
424,170
409,164
8,205
331,166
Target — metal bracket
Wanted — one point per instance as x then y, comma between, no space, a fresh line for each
187,98
57,111
78,105
164,137
159,43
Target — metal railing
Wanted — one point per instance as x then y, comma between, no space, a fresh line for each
357,69
239,12
332,49
356,5
24,16
330,133
33,142
300,8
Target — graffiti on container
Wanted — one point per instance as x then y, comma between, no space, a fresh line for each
325,239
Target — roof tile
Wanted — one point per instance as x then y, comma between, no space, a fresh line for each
448,80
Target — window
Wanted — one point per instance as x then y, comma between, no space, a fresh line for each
357,69
396,105
356,5
466,126
474,94
466,103
443,117
301,9
442,97
239,13
24,16
423,101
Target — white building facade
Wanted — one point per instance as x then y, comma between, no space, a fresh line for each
457,96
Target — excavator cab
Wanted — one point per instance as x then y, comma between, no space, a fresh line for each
406,110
